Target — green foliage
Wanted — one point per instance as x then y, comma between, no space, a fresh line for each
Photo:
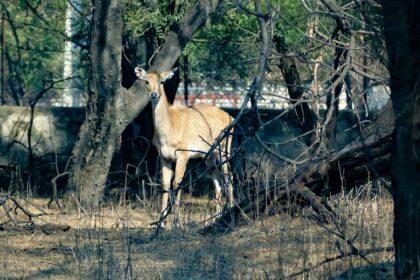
35,38
223,50
141,15
35,57
220,51
226,49
292,24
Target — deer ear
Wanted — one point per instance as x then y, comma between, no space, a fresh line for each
141,73
169,74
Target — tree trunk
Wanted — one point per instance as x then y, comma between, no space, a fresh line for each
305,116
99,134
341,66
402,33
111,107
3,59
181,33
329,133
186,79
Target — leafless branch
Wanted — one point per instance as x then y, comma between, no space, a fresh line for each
364,252
325,174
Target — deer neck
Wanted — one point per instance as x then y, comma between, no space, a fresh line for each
161,116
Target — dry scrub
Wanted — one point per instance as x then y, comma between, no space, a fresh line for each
115,243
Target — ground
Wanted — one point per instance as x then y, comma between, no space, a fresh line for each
117,243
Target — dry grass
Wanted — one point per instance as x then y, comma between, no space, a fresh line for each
115,243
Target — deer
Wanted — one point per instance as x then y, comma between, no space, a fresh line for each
186,132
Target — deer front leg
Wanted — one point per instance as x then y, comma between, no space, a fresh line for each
166,185
181,165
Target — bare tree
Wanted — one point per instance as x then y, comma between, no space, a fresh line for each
111,107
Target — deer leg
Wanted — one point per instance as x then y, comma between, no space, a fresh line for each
227,182
166,185
181,165
227,175
217,183
217,191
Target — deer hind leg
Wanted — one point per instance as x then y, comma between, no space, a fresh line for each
166,185
226,175
181,165
227,183
217,183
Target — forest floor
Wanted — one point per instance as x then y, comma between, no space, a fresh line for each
117,243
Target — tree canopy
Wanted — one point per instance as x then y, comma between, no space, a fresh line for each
224,51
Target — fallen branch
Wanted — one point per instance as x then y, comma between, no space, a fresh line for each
10,205
364,159
342,256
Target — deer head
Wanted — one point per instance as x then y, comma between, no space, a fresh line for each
154,82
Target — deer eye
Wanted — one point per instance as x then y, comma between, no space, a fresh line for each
147,82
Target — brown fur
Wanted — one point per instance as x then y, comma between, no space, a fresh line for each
182,133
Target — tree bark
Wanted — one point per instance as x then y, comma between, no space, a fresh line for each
402,33
341,66
329,134
305,116
99,134
112,107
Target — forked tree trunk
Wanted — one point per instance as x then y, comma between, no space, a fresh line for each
111,107
342,63
402,34
329,134
107,110
306,118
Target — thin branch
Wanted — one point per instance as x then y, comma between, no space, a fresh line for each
256,13
47,23
364,252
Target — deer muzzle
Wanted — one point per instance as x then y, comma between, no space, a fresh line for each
154,95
